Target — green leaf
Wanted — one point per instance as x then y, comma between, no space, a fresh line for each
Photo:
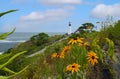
8,70
3,77
3,13
11,59
97,49
9,77
3,56
114,58
111,53
4,35
59,77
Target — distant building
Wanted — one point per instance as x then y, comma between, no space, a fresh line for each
69,28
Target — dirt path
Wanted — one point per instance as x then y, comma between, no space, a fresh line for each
42,50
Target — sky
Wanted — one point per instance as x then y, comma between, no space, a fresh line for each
54,15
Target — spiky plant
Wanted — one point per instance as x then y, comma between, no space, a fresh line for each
3,66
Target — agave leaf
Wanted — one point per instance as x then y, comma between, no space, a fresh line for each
114,58
9,77
2,56
111,53
3,77
4,35
11,59
96,48
9,11
8,70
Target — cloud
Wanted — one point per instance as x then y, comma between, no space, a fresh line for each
91,3
102,10
69,7
53,18
48,20
48,15
60,2
23,2
57,26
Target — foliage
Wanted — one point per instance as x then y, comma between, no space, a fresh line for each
96,48
3,67
23,60
75,35
32,46
49,66
114,31
4,35
4,13
86,27
111,54
40,39
73,58
9,60
74,63
3,56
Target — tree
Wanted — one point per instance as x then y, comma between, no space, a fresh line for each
86,27
40,39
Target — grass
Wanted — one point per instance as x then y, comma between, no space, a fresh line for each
45,66
58,62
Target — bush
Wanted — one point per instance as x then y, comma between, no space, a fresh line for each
114,31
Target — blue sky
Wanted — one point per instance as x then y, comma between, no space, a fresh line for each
54,15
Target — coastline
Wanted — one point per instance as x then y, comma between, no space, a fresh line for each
19,37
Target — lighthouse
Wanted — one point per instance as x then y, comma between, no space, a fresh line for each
69,28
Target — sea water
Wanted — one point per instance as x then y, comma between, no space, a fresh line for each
18,37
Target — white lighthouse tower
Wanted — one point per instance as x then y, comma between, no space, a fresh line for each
69,28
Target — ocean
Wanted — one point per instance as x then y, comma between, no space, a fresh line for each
16,38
